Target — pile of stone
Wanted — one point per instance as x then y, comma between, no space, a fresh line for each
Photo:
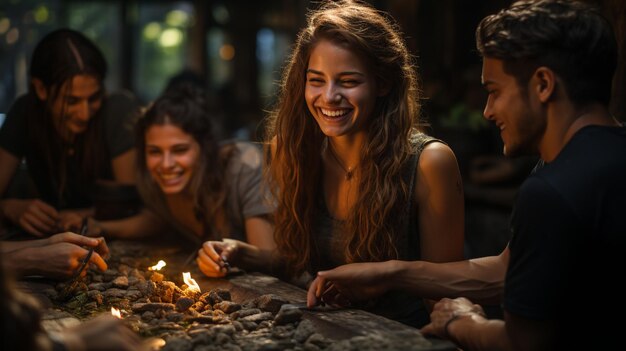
187,319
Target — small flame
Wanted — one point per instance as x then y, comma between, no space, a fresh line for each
191,283
115,312
158,266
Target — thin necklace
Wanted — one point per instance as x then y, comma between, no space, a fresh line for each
349,170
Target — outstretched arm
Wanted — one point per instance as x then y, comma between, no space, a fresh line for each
141,225
480,279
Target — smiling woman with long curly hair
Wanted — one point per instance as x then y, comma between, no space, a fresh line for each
345,164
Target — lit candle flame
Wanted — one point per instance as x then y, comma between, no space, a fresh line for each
115,312
191,283
158,266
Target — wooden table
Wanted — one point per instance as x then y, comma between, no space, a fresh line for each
361,329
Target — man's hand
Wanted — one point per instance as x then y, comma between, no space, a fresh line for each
60,260
447,311
349,283
57,257
33,215
99,244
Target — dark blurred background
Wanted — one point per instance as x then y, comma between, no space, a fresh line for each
236,48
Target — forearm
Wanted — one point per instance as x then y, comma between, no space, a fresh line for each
5,205
254,258
8,246
3,215
141,225
474,332
83,212
19,262
481,279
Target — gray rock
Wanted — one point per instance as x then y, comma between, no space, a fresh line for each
303,331
152,306
245,313
120,282
183,304
175,317
318,340
114,292
133,294
270,302
227,306
263,316
178,345
99,286
288,315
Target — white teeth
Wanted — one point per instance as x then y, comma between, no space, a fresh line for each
169,176
334,113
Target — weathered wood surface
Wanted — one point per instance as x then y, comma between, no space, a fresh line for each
363,330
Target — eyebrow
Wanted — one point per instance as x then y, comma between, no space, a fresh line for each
171,146
342,73
88,97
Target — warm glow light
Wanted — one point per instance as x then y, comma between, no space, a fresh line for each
115,312
227,52
158,266
191,283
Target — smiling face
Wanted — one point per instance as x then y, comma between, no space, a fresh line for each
514,110
340,91
171,157
77,102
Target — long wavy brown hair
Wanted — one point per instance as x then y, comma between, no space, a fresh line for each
295,166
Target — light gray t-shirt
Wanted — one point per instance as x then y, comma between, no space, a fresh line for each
247,194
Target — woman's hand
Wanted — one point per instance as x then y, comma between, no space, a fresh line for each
214,257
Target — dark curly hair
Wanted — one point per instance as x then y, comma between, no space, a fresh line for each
570,37
185,107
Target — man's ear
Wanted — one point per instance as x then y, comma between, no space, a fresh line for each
544,83
40,89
